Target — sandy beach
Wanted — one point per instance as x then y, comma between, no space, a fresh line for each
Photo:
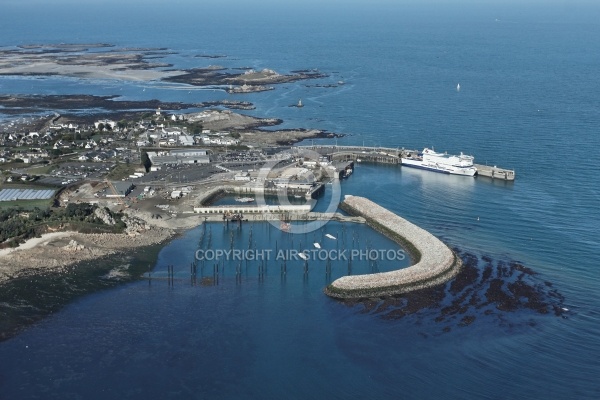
41,241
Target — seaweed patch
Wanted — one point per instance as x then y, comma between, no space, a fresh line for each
485,288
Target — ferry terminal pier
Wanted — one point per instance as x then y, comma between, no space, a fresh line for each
390,155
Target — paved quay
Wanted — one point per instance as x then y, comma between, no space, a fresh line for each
435,262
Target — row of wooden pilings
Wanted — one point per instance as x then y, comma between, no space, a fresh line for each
218,270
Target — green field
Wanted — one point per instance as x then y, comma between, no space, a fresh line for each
42,169
122,171
26,204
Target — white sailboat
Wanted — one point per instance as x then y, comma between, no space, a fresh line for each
299,104
458,87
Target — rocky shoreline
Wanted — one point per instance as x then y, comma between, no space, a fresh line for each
435,263
43,274
59,251
252,129
57,255
105,61
247,81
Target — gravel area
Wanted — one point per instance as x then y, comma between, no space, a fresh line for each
436,262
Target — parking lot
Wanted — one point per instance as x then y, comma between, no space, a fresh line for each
181,173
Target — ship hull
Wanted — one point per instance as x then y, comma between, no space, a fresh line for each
442,169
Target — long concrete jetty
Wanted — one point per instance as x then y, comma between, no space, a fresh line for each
435,262
391,155
495,172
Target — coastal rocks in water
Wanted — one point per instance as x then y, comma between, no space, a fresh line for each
56,255
231,104
118,273
484,289
253,80
249,88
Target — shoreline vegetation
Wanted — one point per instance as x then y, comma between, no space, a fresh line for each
58,251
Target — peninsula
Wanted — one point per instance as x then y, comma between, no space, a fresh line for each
104,61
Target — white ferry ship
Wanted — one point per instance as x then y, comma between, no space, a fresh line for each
442,162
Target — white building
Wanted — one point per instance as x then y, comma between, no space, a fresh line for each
186,140
191,156
242,176
171,131
105,122
262,209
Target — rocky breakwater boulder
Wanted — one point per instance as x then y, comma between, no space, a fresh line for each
435,263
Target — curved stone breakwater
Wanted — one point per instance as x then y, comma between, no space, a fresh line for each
435,263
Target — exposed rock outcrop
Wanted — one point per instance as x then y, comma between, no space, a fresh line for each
73,246
104,215
135,226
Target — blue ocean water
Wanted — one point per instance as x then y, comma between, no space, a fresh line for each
528,101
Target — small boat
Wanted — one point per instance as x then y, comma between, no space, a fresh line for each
303,256
317,245
244,199
458,87
299,105
327,235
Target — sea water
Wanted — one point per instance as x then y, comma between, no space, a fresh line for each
528,101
